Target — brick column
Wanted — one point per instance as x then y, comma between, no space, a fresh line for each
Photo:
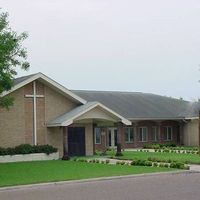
135,139
159,131
65,144
119,138
181,139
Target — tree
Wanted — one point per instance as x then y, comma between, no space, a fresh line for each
12,55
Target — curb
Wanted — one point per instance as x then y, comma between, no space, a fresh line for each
31,186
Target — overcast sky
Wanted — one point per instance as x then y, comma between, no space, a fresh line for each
128,45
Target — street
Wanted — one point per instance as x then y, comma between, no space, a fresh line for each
182,186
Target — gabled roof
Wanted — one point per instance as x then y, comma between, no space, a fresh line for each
69,117
22,81
144,106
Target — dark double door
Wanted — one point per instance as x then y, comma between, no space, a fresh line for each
76,141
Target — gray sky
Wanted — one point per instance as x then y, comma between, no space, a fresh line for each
129,45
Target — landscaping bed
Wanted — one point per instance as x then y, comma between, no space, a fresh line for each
26,152
158,156
48,171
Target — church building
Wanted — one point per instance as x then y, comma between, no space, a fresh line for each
81,122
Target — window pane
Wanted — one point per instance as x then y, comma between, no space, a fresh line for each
154,133
126,135
169,133
131,135
140,134
165,133
97,136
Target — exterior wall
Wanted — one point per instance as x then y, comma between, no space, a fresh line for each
136,143
55,105
55,138
191,133
12,124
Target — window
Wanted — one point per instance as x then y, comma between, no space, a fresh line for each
143,134
154,133
97,133
129,135
167,133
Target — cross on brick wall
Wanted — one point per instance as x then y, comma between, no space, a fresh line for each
34,96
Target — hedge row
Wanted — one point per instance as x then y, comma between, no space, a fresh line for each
159,146
177,165
165,150
27,149
169,146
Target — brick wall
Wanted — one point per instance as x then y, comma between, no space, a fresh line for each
136,143
12,124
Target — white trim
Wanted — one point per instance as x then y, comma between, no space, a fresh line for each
191,118
48,80
156,119
34,114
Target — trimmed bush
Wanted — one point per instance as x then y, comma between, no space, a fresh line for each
27,149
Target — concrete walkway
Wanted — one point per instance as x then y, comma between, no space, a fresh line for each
195,168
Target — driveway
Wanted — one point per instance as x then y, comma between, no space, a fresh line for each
184,186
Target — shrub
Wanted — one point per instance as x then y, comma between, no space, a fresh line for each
28,149
177,165
166,165
148,163
155,164
107,161
122,163
133,162
161,165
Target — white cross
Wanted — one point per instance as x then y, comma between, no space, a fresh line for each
34,96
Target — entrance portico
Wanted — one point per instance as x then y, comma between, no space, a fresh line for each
81,122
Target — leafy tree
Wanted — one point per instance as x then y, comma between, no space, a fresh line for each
12,55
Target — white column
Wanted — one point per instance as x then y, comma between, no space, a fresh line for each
34,114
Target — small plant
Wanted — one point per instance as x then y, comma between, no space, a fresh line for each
155,164
107,161
166,165
122,163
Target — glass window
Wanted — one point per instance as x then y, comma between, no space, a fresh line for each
167,133
129,134
143,134
97,132
154,133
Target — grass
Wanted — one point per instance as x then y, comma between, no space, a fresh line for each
48,171
185,158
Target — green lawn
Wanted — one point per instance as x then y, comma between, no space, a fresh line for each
48,171
185,158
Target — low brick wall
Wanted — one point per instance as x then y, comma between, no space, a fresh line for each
29,157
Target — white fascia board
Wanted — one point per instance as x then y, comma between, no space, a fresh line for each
191,118
48,80
143,119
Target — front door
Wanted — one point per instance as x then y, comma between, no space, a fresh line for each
112,137
76,141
